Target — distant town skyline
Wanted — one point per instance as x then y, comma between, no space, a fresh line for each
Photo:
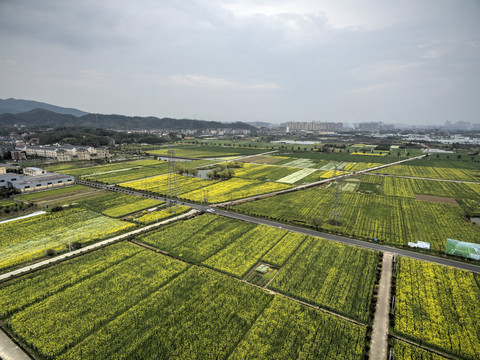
409,62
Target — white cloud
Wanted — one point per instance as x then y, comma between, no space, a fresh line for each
375,88
202,81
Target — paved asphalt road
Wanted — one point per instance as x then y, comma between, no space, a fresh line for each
345,240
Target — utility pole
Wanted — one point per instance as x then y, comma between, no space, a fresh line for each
173,191
336,209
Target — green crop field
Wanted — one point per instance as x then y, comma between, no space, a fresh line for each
238,257
160,214
116,204
228,245
394,186
432,172
287,330
194,189
263,172
201,151
199,238
391,219
331,275
28,239
150,307
438,306
282,251
54,194
406,351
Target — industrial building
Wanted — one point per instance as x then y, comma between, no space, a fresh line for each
33,180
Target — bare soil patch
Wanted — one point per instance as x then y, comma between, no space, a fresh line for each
436,199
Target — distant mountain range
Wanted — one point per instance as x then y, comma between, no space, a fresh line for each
15,106
42,115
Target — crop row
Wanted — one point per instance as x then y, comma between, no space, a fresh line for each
159,183
123,302
431,172
234,188
53,325
280,253
228,245
239,256
24,291
263,172
393,186
406,351
102,169
199,238
117,204
392,220
162,214
332,276
27,239
198,315
439,306
287,330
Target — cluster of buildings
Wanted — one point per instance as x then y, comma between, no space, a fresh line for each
313,126
33,179
66,152
60,152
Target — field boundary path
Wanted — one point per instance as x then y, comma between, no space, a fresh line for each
41,264
316,183
9,350
379,343
302,230
430,179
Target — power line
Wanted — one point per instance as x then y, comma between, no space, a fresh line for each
173,191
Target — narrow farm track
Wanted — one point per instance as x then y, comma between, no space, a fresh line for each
264,288
45,263
9,350
379,343
373,246
429,179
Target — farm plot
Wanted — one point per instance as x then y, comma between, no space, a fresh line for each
297,176
199,238
158,184
340,165
405,351
198,315
263,172
300,163
393,186
331,275
439,306
264,159
288,330
234,188
193,151
392,220
19,293
117,204
282,251
67,194
53,325
28,239
162,214
431,172
239,256
102,169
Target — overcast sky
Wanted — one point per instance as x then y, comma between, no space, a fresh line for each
396,61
